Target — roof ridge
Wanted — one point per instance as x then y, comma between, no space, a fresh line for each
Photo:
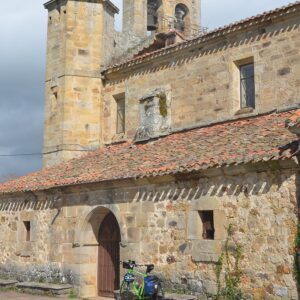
200,38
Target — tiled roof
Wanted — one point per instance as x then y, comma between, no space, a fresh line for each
232,143
240,25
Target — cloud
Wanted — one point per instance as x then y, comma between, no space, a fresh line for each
23,27
216,13
22,52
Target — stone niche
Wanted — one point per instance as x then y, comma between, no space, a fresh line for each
155,115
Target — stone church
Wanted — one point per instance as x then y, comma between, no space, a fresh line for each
156,139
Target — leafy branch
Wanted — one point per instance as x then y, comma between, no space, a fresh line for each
229,264
297,256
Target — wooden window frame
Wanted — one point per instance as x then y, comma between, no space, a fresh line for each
247,103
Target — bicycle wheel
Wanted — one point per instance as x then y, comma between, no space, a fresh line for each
160,295
126,292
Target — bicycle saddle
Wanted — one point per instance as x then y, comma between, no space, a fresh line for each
149,268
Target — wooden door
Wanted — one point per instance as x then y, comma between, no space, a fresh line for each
109,257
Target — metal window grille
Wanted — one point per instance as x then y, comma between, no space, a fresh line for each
247,85
120,116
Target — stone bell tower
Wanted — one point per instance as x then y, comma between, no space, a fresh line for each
160,16
80,42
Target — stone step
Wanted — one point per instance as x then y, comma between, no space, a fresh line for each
44,288
7,283
174,296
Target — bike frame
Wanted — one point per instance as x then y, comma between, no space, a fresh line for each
139,292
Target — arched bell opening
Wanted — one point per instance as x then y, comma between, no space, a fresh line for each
152,17
181,17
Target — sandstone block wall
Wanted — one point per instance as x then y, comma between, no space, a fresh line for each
80,42
159,224
204,80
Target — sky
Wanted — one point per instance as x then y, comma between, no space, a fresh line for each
22,67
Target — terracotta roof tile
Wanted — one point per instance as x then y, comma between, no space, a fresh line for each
237,142
294,120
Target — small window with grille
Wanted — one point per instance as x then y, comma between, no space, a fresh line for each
120,115
247,85
207,218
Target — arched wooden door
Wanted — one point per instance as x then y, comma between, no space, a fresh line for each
109,257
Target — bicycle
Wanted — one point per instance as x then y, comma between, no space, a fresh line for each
139,285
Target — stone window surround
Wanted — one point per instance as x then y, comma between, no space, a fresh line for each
204,250
117,137
236,91
24,247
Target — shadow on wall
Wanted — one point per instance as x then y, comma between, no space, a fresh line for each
181,190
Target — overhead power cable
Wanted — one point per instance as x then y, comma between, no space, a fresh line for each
23,154
40,154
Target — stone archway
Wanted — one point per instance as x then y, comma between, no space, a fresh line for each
89,238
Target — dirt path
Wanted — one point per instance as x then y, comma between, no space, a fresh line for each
20,296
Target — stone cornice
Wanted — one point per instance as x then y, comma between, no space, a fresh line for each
108,3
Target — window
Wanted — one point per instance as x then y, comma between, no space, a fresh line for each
152,20
27,232
120,115
247,85
207,218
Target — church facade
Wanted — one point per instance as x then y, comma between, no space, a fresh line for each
157,140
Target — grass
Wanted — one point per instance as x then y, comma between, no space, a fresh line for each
9,289
72,295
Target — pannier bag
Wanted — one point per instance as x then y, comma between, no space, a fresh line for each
151,285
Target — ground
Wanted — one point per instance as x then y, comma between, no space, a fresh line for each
20,296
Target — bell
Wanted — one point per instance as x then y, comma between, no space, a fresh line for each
180,14
151,16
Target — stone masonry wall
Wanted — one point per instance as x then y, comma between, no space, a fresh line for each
159,224
80,43
80,107
204,79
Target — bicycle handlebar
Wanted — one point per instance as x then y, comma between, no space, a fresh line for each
134,263
130,264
